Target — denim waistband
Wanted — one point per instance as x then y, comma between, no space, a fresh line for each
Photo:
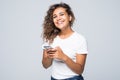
80,77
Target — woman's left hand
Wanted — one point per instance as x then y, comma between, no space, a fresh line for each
58,54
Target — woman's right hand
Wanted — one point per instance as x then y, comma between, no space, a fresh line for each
47,60
50,52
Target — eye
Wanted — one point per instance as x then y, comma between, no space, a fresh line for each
61,14
54,16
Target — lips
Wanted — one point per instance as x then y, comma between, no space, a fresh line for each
60,22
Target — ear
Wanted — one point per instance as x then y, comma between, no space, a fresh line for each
70,18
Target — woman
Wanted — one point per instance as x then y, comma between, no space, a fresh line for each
68,50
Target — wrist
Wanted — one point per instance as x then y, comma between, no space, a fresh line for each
65,58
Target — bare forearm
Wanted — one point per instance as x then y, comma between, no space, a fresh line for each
75,67
46,62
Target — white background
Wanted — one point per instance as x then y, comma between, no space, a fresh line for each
20,38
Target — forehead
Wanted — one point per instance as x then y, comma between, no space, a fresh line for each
59,10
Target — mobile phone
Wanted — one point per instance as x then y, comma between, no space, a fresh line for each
47,47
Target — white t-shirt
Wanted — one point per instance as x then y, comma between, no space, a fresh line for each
76,43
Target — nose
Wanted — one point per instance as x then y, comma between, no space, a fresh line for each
58,17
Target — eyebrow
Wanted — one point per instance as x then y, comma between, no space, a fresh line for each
59,13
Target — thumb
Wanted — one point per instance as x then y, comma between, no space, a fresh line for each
57,47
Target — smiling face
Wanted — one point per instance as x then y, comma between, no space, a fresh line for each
61,18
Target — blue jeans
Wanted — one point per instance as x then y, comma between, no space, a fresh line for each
72,78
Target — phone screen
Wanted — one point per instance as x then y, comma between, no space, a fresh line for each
47,47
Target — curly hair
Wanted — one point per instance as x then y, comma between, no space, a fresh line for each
50,31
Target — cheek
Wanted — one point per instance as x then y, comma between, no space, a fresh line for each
54,21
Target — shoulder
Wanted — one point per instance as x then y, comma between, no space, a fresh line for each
79,36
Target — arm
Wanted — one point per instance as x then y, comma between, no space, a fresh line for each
77,66
46,61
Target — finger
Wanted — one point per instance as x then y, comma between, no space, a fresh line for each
51,55
51,50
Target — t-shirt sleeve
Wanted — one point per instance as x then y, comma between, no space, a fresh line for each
82,47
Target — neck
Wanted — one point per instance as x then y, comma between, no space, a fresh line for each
66,33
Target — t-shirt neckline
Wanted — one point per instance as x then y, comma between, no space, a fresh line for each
67,37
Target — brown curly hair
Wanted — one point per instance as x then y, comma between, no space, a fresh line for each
50,31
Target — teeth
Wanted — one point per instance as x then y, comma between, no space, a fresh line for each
60,22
